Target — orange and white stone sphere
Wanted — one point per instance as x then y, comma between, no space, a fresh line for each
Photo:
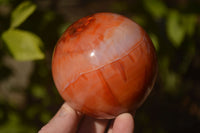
104,64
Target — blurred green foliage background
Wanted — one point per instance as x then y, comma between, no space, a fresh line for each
30,29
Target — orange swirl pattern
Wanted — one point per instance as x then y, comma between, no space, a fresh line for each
104,64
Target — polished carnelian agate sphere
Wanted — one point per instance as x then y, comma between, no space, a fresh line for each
103,65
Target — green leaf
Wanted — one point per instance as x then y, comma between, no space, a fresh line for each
23,45
175,28
154,39
155,7
190,23
21,13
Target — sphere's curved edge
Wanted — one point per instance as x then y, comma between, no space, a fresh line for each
75,88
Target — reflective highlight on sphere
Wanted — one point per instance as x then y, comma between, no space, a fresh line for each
104,64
